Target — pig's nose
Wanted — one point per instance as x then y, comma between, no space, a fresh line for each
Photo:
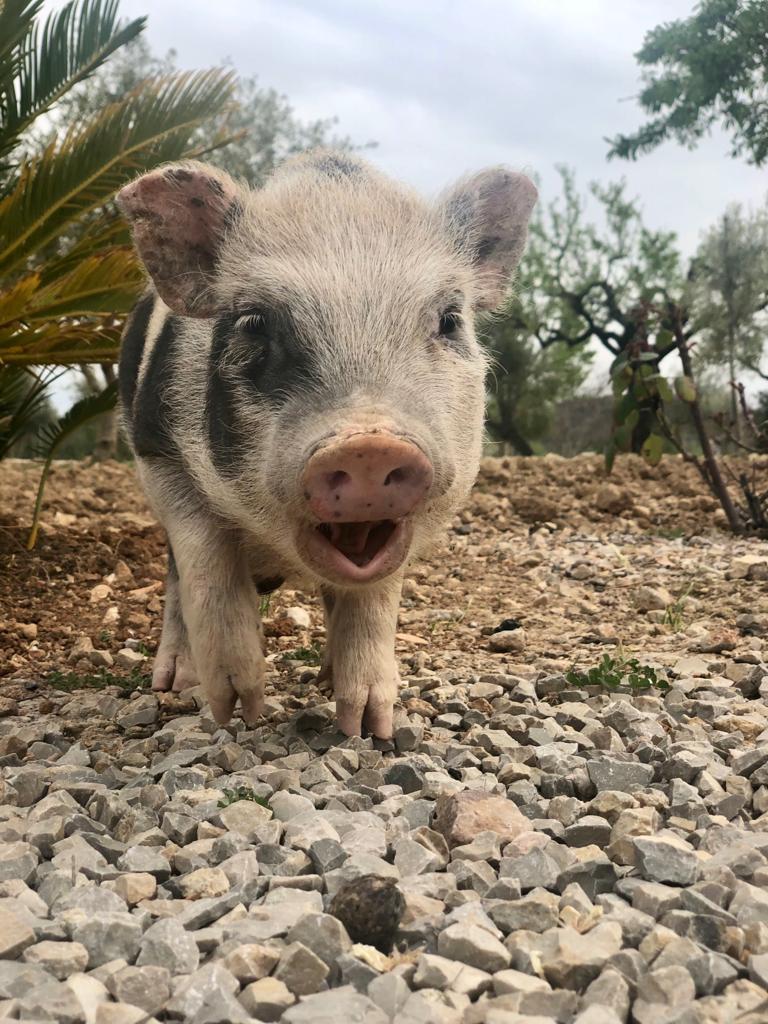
366,477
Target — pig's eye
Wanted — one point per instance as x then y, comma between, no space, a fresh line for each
450,324
253,324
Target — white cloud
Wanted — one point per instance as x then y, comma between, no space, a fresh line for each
447,86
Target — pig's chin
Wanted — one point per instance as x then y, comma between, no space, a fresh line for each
360,552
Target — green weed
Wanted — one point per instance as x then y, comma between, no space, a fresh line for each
231,796
615,673
311,655
99,680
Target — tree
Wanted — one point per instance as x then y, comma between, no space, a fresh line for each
257,124
706,69
68,274
601,281
730,277
527,382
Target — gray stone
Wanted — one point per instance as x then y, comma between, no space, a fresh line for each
146,987
389,992
301,970
441,973
17,860
59,958
108,936
206,985
341,1004
267,999
535,912
623,776
323,934
473,945
167,944
15,932
665,858
571,960
609,989
587,831
52,1002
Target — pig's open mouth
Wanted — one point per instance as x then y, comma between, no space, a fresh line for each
357,552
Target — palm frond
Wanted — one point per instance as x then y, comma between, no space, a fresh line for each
53,435
17,19
67,342
102,283
73,43
74,176
23,394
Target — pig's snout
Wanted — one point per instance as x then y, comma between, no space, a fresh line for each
365,477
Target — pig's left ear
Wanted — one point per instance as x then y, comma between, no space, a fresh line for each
179,215
488,215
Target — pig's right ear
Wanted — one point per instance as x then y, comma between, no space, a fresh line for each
179,215
488,215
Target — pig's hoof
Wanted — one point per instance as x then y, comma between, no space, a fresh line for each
248,686
377,720
173,672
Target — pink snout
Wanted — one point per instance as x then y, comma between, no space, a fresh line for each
365,477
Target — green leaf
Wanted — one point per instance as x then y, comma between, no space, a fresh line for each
610,455
685,388
653,449
665,391
664,340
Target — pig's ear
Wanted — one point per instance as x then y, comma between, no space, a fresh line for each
179,215
487,215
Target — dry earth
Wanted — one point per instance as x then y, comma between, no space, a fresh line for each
631,884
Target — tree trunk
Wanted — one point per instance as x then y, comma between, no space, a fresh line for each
107,425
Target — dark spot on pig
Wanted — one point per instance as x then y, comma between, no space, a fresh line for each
270,584
215,186
178,175
131,351
225,435
152,427
335,166
486,247
197,201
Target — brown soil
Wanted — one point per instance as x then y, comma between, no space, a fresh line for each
532,545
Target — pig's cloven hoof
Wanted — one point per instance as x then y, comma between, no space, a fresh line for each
356,552
351,719
173,672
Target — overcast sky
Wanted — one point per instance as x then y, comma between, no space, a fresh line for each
449,86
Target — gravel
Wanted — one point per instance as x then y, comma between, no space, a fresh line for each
525,851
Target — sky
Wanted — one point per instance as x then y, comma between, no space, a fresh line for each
449,86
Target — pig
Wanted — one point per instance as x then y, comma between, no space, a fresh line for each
303,390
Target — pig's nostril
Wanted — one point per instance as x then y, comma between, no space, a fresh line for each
337,479
397,476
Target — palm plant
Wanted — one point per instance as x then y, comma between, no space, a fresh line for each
68,275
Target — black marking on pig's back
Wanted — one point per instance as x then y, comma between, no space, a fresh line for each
152,409
131,351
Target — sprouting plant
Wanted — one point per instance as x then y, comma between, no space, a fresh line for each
311,655
231,796
69,681
265,602
674,616
614,673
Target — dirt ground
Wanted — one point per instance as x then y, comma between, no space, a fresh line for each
580,561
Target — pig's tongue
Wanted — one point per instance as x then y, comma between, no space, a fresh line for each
358,542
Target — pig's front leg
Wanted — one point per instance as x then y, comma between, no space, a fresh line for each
361,656
220,609
173,668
